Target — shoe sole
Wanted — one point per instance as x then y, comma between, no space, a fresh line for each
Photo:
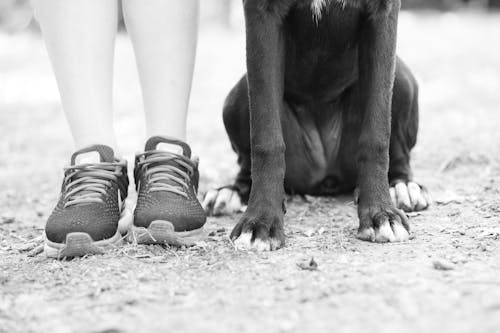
79,244
163,233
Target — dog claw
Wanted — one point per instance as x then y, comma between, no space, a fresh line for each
402,197
275,244
223,202
384,233
209,200
367,234
409,197
418,197
400,233
387,233
245,243
392,192
261,246
384,224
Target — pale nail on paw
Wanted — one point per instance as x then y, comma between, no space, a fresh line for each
209,200
417,196
367,234
222,201
410,197
261,246
275,244
392,192
400,233
244,242
402,197
384,233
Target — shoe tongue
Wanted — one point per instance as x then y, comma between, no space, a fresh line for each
168,144
93,154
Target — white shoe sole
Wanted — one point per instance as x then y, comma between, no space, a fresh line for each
163,233
79,244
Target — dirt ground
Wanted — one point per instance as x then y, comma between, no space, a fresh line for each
214,288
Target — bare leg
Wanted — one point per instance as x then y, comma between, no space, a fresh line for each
164,34
79,35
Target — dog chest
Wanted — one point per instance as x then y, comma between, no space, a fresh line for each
318,7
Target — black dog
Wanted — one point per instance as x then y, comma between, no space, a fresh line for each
323,82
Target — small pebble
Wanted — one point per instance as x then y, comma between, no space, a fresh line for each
309,232
7,219
443,265
308,265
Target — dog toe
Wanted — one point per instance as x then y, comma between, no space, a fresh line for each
417,196
261,245
392,192
366,234
222,203
384,233
410,197
244,241
209,201
400,233
403,197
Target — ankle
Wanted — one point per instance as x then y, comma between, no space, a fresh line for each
112,143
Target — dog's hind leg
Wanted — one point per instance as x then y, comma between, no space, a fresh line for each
405,193
236,115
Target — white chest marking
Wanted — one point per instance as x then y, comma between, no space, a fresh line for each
317,7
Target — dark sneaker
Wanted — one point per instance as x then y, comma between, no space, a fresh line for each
167,210
86,217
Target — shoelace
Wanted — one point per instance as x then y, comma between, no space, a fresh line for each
87,182
158,172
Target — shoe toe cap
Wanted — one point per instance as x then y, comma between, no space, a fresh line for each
97,226
184,215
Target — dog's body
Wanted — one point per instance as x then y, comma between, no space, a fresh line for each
323,81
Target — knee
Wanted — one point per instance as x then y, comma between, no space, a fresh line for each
230,115
405,117
405,90
235,114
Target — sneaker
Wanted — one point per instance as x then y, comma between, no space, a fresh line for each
168,210
87,215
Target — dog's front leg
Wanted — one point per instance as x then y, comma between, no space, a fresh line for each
380,221
261,227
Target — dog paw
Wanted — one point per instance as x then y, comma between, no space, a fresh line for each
410,196
383,225
260,232
224,201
